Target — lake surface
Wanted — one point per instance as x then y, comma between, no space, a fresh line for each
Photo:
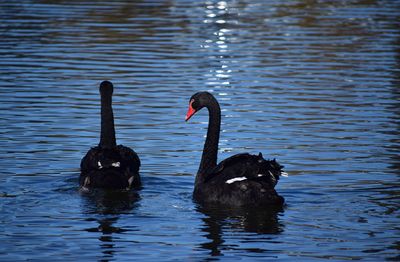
314,84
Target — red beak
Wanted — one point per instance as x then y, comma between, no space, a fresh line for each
190,111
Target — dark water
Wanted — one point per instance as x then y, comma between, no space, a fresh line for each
315,84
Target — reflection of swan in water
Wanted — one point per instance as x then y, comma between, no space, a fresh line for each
218,220
110,201
104,207
106,238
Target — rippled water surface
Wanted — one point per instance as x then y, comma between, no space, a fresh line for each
315,84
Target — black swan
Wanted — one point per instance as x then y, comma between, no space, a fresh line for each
107,165
240,180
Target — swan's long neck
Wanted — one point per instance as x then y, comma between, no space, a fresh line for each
210,150
107,137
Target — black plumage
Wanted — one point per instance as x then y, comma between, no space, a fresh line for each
240,180
107,165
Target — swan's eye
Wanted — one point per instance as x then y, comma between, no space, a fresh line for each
194,104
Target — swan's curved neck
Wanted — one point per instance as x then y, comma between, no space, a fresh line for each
210,150
107,137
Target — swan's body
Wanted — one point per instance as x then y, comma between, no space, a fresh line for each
239,180
107,165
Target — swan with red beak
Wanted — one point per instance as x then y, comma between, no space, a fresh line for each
240,180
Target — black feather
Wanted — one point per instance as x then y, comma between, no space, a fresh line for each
107,165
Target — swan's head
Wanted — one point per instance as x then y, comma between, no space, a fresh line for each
106,88
198,101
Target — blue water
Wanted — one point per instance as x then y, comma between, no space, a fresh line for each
315,84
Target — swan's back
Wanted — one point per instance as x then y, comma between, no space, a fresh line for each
115,168
240,180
